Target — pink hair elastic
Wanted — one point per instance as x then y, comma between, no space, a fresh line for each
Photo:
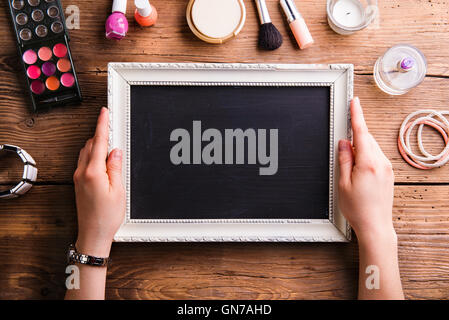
426,160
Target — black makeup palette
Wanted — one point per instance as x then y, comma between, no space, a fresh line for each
43,43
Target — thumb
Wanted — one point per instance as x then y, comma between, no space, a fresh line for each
114,167
346,160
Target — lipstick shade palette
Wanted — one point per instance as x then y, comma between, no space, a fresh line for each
43,44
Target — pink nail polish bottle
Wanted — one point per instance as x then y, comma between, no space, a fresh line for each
297,24
146,13
117,24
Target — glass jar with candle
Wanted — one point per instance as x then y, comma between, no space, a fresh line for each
348,16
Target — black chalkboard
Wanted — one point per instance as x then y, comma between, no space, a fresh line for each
163,190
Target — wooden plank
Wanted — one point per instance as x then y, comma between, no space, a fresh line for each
45,212
55,138
421,23
40,225
182,271
421,219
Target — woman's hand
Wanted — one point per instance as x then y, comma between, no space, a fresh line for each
366,180
100,201
366,200
100,196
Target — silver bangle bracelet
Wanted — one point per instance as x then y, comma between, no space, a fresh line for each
29,173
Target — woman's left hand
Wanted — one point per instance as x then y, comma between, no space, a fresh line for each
100,196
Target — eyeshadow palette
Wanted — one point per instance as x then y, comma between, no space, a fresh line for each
43,44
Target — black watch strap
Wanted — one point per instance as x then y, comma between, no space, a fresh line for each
75,257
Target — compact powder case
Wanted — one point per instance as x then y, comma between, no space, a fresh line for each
216,21
43,44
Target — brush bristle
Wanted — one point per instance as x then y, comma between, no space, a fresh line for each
269,37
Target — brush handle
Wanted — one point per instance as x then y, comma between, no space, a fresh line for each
263,11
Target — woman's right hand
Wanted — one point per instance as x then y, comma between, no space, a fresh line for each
366,200
366,181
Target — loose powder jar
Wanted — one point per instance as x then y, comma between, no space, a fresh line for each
216,21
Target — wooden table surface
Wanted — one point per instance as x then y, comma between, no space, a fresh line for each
36,229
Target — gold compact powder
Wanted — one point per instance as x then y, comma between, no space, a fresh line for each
216,21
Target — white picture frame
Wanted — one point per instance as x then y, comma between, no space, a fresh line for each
339,77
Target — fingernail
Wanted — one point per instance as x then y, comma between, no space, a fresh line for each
342,145
103,110
356,100
117,154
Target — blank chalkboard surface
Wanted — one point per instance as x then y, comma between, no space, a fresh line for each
161,189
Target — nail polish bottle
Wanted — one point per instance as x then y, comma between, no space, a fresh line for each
117,24
146,13
297,24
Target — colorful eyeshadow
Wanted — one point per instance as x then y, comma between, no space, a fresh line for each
57,27
37,87
48,68
67,80
53,12
34,3
64,65
41,31
25,34
29,57
60,50
37,15
43,45
52,83
18,4
21,19
33,72
45,53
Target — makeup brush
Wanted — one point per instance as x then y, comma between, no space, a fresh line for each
269,37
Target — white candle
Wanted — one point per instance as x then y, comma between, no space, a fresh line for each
348,13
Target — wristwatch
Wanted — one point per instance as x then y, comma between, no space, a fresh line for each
75,257
29,173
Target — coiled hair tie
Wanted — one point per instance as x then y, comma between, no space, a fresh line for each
434,119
